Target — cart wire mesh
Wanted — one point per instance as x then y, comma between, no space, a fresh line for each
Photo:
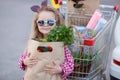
93,62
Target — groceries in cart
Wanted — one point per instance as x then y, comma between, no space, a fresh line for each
92,38
85,49
100,25
84,57
86,34
94,20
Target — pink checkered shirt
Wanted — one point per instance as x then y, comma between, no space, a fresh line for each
67,66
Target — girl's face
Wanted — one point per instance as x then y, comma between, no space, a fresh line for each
46,22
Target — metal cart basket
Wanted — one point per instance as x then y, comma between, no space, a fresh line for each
92,63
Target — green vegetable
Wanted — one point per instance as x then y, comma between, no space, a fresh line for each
84,57
43,40
60,33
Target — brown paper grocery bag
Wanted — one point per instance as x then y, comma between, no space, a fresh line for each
57,55
84,12
88,5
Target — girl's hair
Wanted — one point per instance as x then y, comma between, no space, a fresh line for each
35,32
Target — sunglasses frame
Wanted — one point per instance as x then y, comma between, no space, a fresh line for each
47,22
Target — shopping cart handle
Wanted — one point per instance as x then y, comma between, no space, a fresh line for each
109,6
116,8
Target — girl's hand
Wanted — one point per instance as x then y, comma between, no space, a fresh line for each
54,69
30,62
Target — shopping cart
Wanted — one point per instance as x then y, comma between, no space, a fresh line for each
92,65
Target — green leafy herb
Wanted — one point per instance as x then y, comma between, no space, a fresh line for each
60,33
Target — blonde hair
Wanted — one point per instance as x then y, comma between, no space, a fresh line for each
35,32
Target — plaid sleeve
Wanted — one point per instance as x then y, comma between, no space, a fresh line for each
68,64
21,59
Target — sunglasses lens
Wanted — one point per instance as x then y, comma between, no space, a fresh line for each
48,22
40,22
51,22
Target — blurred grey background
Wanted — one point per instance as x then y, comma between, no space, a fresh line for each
15,26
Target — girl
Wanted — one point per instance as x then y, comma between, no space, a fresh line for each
45,20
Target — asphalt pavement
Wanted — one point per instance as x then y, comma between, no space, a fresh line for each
15,26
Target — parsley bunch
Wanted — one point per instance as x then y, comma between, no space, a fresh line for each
60,33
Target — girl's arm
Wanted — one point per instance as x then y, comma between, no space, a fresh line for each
68,64
21,59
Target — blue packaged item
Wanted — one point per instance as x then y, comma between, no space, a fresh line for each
84,33
100,25
90,33
81,30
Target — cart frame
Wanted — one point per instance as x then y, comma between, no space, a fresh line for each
101,47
